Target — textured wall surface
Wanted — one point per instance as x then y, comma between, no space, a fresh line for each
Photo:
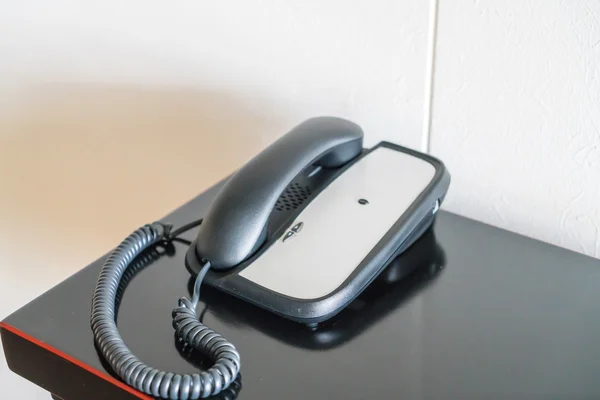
516,116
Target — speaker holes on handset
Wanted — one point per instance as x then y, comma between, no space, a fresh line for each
293,197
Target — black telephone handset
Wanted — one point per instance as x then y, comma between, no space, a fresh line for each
236,225
301,230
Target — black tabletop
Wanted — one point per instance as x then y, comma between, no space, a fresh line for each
487,314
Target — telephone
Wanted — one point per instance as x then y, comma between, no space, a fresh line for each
301,230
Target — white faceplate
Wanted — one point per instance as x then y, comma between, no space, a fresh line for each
337,231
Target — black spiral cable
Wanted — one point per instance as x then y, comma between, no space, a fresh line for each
188,329
142,261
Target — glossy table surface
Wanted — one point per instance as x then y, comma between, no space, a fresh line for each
487,314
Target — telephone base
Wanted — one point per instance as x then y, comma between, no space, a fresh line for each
328,250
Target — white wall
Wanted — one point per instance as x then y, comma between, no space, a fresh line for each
91,91
516,116
297,59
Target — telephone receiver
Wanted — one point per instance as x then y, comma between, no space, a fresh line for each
236,225
304,227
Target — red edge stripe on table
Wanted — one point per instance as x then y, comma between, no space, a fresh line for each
75,361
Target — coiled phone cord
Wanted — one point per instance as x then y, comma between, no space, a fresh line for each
188,328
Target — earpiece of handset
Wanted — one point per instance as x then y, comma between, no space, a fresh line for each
235,225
